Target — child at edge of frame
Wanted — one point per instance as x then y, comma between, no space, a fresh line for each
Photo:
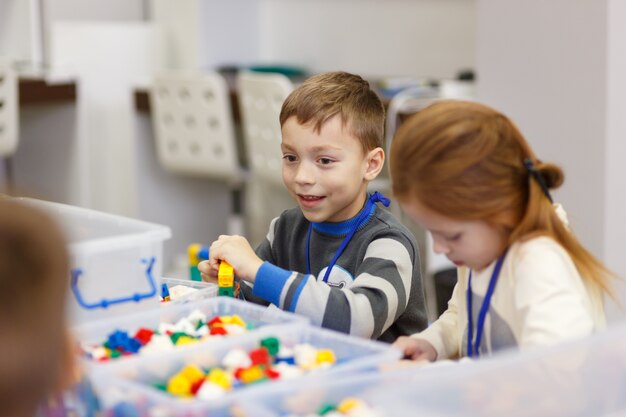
37,363
338,258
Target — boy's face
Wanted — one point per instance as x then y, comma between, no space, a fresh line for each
474,244
327,172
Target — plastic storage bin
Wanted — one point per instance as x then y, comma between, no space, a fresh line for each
203,291
134,380
255,315
312,394
581,378
114,261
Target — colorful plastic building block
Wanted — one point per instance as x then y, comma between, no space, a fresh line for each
271,344
226,280
196,252
226,291
325,356
165,293
251,375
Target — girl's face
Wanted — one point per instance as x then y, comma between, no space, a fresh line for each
474,244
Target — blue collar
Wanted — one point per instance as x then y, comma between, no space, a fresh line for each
350,226
344,227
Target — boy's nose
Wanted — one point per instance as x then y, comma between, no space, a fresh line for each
304,174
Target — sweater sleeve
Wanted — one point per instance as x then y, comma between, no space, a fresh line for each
367,307
263,251
550,296
443,333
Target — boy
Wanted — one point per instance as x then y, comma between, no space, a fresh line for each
337,258
35,355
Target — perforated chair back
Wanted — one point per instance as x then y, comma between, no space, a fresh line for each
261,97
9,120
410,100
193,125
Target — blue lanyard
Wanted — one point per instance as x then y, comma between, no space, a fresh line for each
365,212
473,350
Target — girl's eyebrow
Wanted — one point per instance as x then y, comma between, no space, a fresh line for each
441,232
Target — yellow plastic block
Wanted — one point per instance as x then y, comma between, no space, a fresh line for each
192,373
225,275
192,253
221,378
325,356
179,385
235,319
185,340
348,404
251,375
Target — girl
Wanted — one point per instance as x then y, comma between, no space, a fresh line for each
464,172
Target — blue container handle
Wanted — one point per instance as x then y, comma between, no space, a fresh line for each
104,303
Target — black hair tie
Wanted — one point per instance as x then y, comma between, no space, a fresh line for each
530,166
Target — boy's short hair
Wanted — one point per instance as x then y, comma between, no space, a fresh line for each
326,95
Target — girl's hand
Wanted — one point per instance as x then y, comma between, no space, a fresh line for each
236,251
416,349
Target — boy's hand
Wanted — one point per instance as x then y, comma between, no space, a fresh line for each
416,349
208,270
236,251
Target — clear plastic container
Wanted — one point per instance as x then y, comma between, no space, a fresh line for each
134,381
312,394
579,378
203,290
113,259
256,316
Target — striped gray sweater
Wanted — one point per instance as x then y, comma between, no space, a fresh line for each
374,290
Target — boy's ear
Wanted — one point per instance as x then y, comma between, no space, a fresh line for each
375,160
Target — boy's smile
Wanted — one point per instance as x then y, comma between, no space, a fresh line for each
309,201
326,172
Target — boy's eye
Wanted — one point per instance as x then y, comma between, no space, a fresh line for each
325,161
289,158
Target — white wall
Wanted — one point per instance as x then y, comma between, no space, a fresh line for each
615,151
95,10
20,31
430,38
550,78
108,59
207,33
556,68
87,10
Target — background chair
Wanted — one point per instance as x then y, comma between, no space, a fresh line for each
440,273
261,96
9,120
402,105
195,138
194,126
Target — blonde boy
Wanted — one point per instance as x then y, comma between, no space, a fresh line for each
337,258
